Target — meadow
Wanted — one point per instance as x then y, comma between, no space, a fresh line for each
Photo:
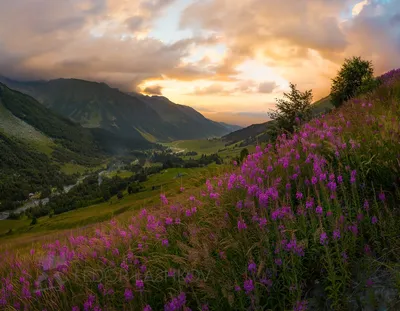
308,223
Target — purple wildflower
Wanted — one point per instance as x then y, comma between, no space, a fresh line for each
323,238
140,285
128,294
366,205
189,278
241,225
248,286
163,199
300,306
252,267
374,220
336,234
299,195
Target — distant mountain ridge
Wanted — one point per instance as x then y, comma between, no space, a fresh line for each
133,115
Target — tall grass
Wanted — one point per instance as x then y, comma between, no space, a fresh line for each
310,222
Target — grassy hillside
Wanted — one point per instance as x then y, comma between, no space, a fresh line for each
16,128
310,223
62,131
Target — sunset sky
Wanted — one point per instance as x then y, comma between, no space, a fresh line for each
228,59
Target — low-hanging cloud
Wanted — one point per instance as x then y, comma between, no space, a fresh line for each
153,90
267,87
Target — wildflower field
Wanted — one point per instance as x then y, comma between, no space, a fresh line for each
310,222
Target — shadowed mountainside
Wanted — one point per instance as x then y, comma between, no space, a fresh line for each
96,105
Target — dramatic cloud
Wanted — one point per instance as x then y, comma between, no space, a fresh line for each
193,47
306,40
94,40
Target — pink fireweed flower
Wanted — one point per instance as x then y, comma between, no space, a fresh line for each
241,225
353,228
147,308
336,234
163,199
382,196
214,195
262,222
252,267
139,285
319,210
299,195
353,176
332,186
366,205
205,308
248,286
310,203
189,278
165,242
169,221
300,306
124,266
374,220
128,294
171,273
237,288
323,238
181,189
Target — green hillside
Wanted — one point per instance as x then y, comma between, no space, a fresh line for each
37,146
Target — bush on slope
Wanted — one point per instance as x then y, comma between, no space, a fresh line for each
310,222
